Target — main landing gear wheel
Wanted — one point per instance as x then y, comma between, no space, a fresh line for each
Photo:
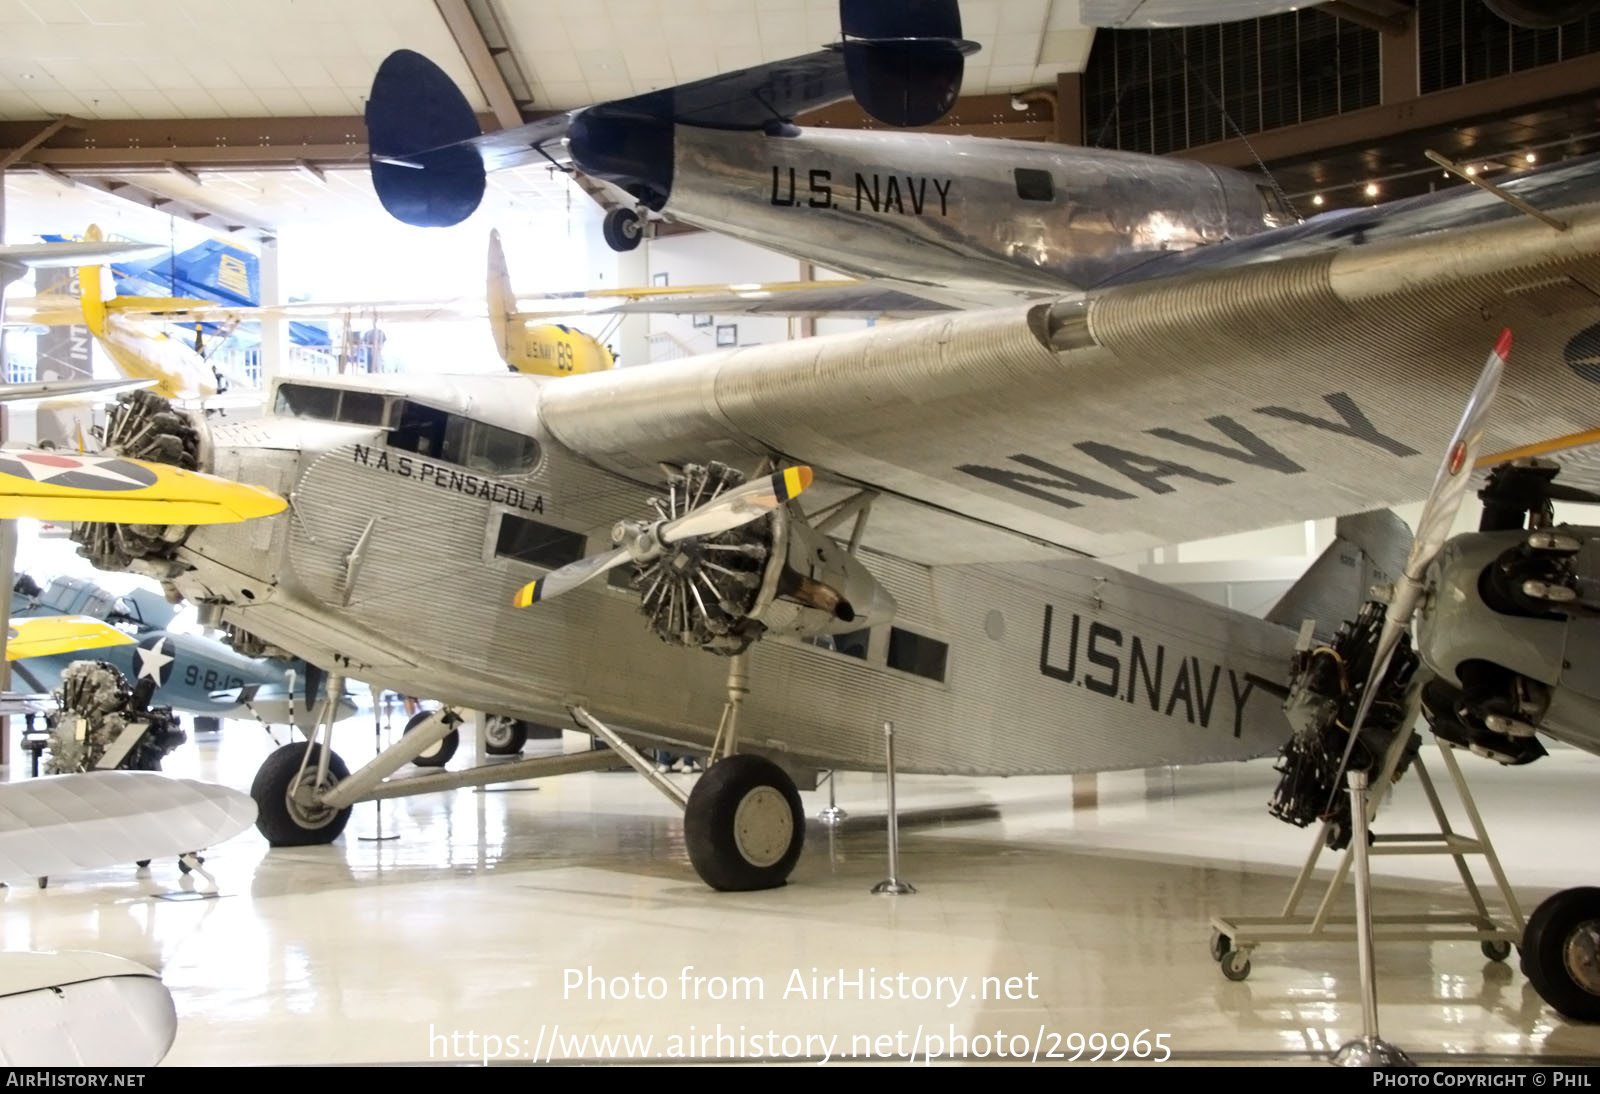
744,825
439,754
287,811
623,229
1561,953
504,736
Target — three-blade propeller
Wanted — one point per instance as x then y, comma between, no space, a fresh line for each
722,513
1433,530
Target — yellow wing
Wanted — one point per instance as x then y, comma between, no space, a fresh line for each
57,486
52,634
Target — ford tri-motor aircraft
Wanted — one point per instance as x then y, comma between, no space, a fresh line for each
764,554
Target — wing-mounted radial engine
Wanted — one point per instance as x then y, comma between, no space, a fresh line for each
724,562
1511,630
1326,687
143,426
1353,702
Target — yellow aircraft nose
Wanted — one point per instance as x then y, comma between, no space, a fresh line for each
62,487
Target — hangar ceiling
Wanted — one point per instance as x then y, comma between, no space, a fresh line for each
251,118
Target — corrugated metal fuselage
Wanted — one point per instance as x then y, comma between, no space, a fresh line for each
1052,667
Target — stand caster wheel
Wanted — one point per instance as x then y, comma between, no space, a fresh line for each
1220,945
1235,965
44,883
1495,951
185,868
143,864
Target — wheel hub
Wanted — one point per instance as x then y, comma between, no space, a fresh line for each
1581,955
303,801
497,733
763,826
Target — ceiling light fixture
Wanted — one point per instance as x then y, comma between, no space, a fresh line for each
1372,189
1317,199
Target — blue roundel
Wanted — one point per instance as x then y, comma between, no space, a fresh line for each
1583,354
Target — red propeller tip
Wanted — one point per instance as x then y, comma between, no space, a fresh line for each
1502,348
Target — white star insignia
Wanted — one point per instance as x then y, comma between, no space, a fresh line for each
153,660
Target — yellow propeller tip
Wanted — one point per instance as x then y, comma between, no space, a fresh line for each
795,481
526,596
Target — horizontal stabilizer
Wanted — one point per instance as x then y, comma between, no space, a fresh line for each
1368,549
63,824
905,59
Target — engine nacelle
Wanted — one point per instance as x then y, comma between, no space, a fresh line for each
1511,631
814,587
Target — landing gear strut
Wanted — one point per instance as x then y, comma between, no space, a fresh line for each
290,784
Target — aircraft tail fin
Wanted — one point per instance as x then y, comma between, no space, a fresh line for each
94,309
501,300
1368,549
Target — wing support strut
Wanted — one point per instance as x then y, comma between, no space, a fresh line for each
1505,196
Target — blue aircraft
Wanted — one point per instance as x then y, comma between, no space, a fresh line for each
193,674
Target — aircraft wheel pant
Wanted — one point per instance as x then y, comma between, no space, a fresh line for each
504,736
744,825
1561,953
439,754
296,822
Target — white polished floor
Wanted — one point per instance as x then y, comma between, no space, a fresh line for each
476,918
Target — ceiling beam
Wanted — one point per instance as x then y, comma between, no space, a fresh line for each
1491,98
1388,21
225,221
37,139
480,58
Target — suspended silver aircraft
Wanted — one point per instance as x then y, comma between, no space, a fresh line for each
955,220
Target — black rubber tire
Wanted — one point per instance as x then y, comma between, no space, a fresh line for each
622,229
709,825
270,791
504,736
1235,965
443,751
1544,943
1220,945
1496,951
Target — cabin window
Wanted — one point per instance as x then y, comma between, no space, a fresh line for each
523,540
331,404
440,435
361,408
917,654
502,451
851,644
308,401
1035,185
